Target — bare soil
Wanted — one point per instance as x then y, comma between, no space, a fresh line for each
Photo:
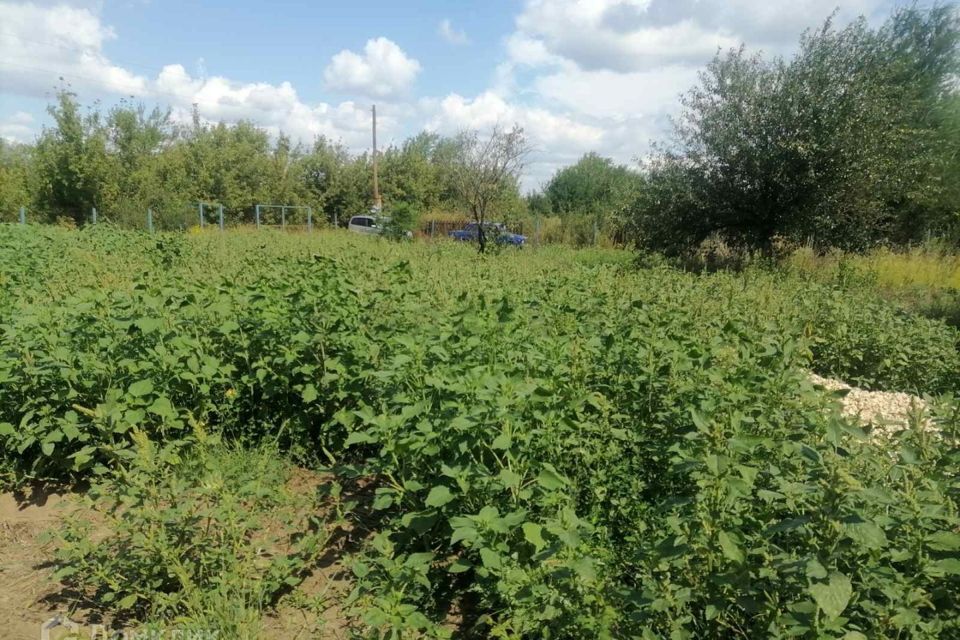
29,596
27,591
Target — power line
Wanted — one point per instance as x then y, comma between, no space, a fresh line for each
149,67
145,91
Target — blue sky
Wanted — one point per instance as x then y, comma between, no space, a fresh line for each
578,75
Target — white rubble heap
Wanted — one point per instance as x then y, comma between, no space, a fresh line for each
887,411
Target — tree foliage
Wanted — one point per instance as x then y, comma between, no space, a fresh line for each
846,144
590,196
486,172
128,159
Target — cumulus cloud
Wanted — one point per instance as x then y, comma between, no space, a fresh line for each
616,34
17,127
636,35
450,34
384,70
41,47
607,94
556,139
275,107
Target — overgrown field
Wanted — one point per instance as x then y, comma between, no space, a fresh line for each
537,444
924,279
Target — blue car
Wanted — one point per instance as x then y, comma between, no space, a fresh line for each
495,232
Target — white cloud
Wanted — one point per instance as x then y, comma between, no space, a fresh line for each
275,107
451,35
40,45
383,71
637,35
616,34
17,127
608,94
556,139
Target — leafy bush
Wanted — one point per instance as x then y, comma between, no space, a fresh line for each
193,533
849,143
399,225
559,444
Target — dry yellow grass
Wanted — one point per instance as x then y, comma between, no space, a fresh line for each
920,267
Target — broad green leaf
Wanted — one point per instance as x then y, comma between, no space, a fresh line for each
490,558
730,547
550,479
358,437
70,431
149,325
833,596
502,441
533,533
141,388
438,496
945,566
944,541
866,534
309,394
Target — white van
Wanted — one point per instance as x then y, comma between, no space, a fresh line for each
364,224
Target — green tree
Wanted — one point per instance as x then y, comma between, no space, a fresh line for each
485,173
14,168
841,145
592,195
338,183
71,162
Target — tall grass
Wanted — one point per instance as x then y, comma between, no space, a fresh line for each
924,279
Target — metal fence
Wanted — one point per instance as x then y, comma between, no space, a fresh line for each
203,215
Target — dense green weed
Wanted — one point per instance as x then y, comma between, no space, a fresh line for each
559,444
191,533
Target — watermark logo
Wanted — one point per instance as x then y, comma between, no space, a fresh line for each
62,628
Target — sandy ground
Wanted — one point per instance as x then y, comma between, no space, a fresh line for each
28,594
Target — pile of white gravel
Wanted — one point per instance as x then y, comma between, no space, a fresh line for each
886,411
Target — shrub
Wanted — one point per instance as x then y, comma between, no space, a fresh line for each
191,531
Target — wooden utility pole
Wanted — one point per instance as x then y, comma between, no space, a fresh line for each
377,202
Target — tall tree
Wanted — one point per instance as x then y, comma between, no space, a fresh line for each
71,161
486,171
840,145
592,194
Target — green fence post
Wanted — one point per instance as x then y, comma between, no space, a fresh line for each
23,215
220,215
150,220
93,214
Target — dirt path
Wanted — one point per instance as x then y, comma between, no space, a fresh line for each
26,586
29,596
